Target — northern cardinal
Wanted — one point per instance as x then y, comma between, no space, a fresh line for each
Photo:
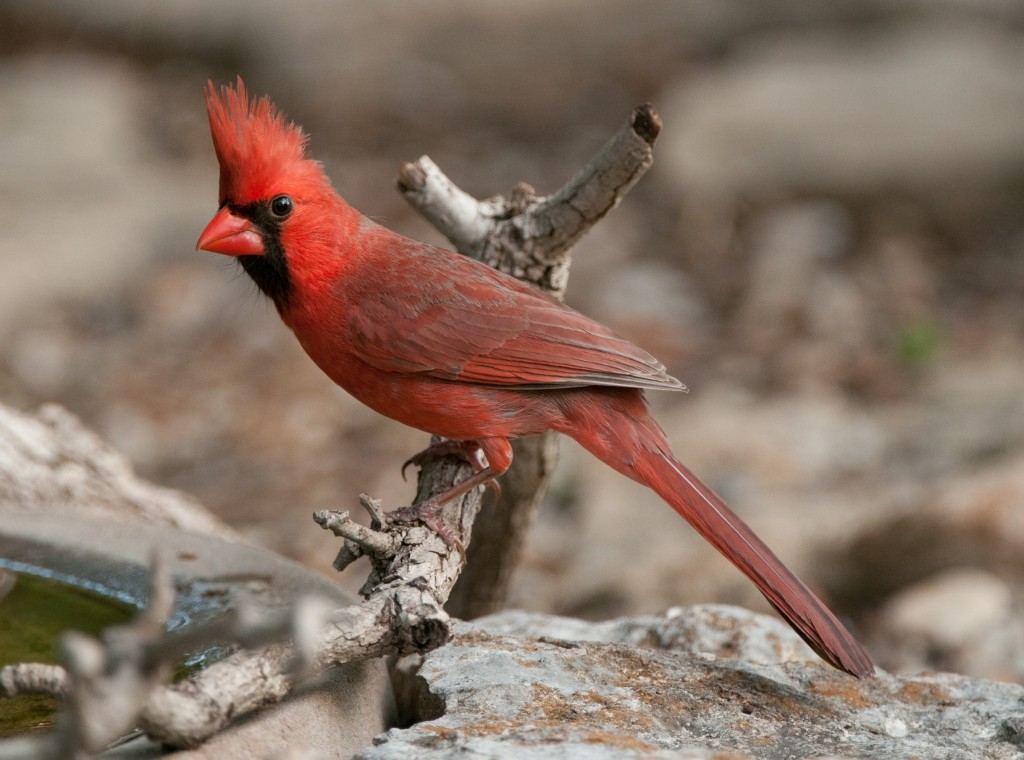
448,345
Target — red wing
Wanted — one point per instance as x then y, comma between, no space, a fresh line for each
449,317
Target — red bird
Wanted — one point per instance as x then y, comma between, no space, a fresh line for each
448,345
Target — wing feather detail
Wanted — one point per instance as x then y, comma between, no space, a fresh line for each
448,317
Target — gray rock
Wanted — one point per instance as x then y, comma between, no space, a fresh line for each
49,460
913,531
510,686
962,620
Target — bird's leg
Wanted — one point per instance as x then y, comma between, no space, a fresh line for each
467,450
428,512
497,452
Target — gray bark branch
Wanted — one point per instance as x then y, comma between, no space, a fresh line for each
529,237
412,574
33,678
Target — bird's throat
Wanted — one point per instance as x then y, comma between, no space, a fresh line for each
270,273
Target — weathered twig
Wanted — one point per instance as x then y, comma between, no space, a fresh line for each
34,678
529,237
412,573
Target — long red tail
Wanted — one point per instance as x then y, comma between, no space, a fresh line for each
723,529
623,435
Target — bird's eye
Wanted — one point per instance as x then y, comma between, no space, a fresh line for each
281,206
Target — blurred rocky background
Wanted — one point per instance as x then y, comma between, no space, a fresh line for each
829,251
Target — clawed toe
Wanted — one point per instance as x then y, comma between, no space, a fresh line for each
496,486
467,450
429,514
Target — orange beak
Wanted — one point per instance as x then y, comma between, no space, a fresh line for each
231,235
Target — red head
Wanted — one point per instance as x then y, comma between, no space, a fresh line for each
276,206
259,152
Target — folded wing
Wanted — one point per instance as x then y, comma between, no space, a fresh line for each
462,321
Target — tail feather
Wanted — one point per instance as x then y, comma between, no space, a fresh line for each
722,528
615,425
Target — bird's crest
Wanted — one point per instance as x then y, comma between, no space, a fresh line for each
258,149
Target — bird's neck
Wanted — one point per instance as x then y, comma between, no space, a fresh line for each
300,261
319,253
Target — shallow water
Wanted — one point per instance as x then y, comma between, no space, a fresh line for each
33,615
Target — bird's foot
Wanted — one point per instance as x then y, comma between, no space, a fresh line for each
498,455
429,514
469,451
